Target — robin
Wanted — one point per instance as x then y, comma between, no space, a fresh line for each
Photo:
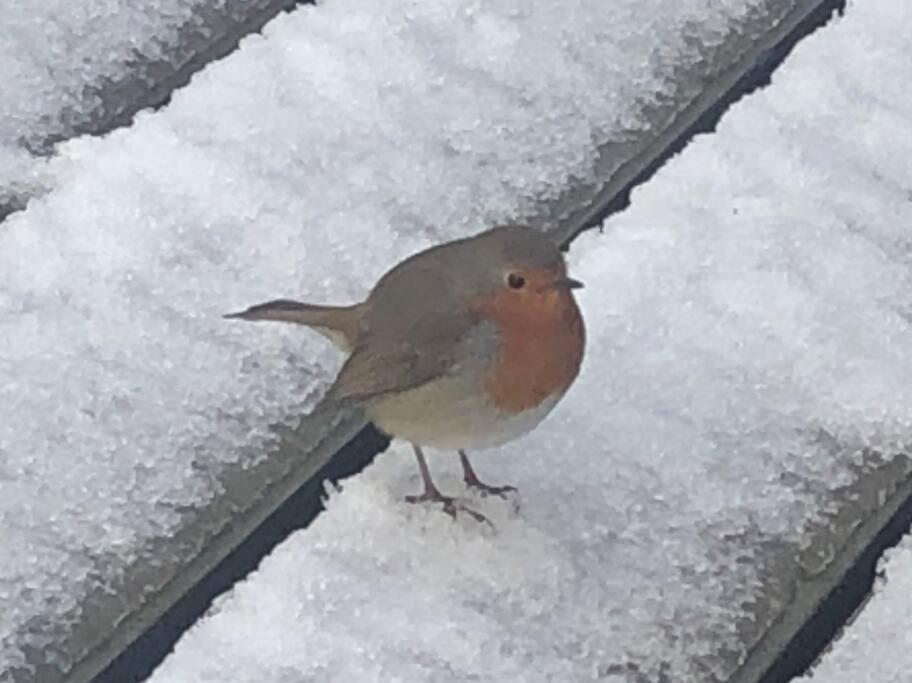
465,345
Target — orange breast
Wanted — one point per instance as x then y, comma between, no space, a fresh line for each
542,347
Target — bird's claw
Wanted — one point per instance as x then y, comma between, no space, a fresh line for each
450,505
486,490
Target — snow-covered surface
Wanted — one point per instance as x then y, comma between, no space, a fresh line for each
305,164
59,56
57,53
749,321
877,646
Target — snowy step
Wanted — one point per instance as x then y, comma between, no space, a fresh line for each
735,431
138,440
86,66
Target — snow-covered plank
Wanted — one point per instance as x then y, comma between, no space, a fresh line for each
876,646
85,66
747,386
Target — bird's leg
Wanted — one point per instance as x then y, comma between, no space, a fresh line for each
432,493
472,481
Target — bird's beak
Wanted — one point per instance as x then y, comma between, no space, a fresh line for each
567,283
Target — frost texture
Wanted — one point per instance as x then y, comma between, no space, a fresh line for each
749,321
57,54
304,165
875,648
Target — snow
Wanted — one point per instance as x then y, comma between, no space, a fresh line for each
60,56
57,54
347,136
749,325
875,647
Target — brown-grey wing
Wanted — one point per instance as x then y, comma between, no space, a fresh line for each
412,356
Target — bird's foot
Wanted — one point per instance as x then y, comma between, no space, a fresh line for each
450,505
473,482
487,490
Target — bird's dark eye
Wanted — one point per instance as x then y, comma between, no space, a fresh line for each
516,281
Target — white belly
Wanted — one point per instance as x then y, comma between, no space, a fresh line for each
445,415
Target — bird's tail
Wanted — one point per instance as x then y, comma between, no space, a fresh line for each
339,324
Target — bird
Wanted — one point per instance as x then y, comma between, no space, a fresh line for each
466,345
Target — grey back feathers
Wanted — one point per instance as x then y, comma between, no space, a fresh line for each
417,323
417,320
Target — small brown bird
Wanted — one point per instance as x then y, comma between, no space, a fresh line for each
468,344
